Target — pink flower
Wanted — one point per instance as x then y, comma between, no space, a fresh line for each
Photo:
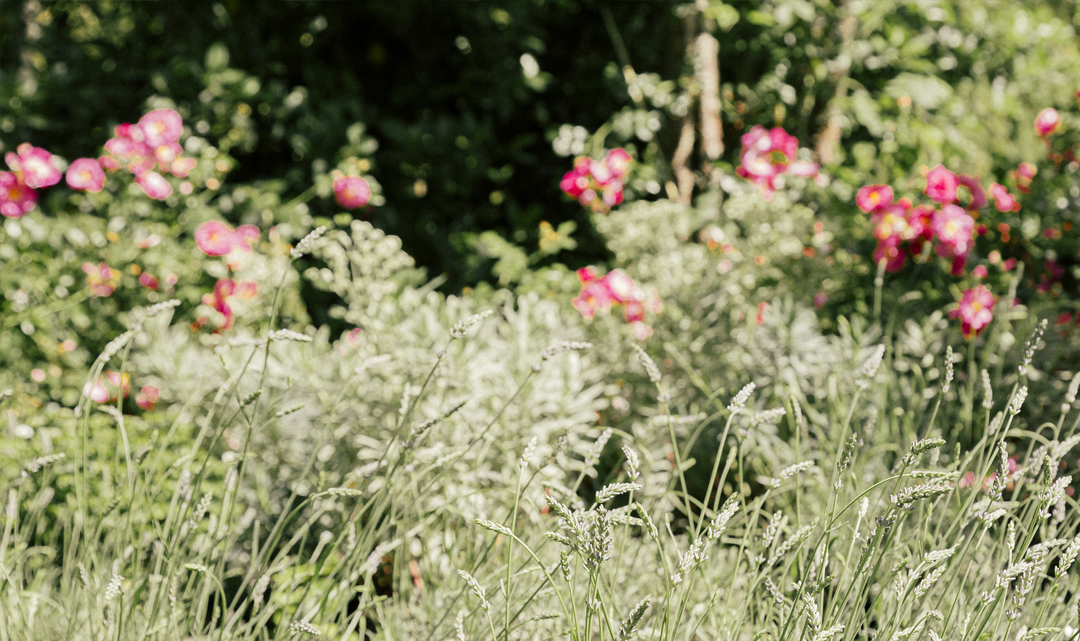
16,198
181,167
148,281
36,165
244,236
618,162
1003,200
953,228
599,294
941,185
214,237
820,299
766,154
620,286
147,399
1047,122
154,141
225,290
85,174
920,220
128,145
889,251
634,312
576,181
118,384
1053,275
595,293
96,392
108,388
1023,176
613,194
640,330
154,185
161,127
891,221
349,340
975,311
108,163
598,184
978,196
351,192
979,271
101,278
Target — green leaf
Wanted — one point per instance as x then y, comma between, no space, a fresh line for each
927,92
725,15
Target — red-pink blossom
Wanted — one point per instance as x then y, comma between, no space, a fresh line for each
598,184
244,236
165,154
978,196
108,388
351,192
85,174
181,167
161,127
101,278
225,290
640,330
149,396
16,197
154,141
154,185
618,162
96,392
148,281
599,294
574,183
891,221
595,295
766,154
889,251
36,166
1003,200
941,185
612,194
979,271
953,228
975,311
1053,275
920,226
621,286
1047,122
1023,175
214,237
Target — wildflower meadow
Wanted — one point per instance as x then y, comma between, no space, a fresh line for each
733,321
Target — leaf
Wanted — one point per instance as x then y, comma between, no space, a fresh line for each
928,92
511,261
217,57
725,15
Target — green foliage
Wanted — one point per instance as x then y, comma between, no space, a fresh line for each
411,432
